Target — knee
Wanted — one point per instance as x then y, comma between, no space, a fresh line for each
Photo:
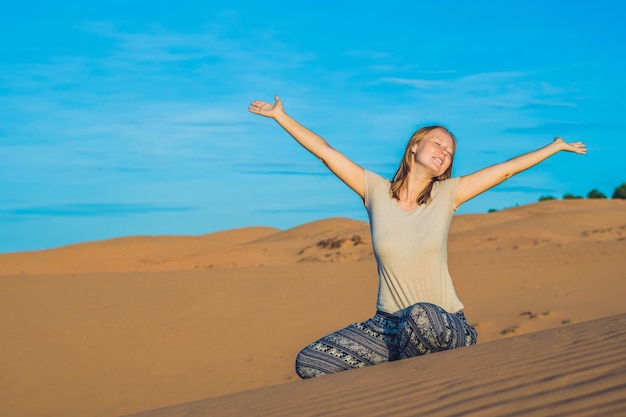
310,365
430,321
427,328
302,370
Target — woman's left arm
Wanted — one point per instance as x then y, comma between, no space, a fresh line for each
480,181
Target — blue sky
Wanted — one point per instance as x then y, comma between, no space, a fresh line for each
130,117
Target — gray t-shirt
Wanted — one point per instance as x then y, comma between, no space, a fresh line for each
411,246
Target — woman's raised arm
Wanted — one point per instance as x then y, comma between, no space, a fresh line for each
346,170
480,181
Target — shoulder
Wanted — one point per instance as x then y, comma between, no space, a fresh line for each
449,183
447,189
374,185
372,179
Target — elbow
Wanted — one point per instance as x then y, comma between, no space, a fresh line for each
505,176
507,172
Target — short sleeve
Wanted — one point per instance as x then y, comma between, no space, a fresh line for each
371,182
447,189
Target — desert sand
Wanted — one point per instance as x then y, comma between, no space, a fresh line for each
581,374
139,323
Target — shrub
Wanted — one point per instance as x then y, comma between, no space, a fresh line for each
595,194
546,197
570,196
620,192
492,210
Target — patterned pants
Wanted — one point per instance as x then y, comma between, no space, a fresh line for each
417,330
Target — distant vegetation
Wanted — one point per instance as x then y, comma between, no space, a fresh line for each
620,192
547,197
595,194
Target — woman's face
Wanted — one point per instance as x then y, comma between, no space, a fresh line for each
434,152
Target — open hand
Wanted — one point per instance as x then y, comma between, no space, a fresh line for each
576,147
266,109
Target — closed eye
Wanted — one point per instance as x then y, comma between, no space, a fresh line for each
446,150
439,144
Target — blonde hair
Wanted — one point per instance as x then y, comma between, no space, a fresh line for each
400,178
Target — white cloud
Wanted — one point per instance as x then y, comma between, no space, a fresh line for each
506,89
414,82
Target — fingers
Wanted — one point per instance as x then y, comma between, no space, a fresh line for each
256,106
577,147
580,147
265,109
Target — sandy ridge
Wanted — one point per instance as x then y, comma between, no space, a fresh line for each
550,223
578,370
325,240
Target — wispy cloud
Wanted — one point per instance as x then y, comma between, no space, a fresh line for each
550,127
368,54
92,210
286,167
506,89
219,51
286,172
320,210
414,82
521,189
541,104
159,45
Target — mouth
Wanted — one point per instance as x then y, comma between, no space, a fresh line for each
438,160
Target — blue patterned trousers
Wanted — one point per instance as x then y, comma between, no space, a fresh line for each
417,330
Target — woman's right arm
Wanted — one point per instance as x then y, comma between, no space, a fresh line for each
346,170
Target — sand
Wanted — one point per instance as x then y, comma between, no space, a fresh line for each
139,323
578,370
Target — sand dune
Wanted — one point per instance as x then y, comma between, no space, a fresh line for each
550,223
579,370
114,327
325,240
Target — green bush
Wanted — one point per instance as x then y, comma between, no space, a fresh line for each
595,194
547,197
620,192
570,196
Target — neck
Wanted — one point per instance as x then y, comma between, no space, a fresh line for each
415,184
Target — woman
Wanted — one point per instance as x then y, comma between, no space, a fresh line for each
418,311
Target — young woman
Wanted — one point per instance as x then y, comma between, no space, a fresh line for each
418,311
